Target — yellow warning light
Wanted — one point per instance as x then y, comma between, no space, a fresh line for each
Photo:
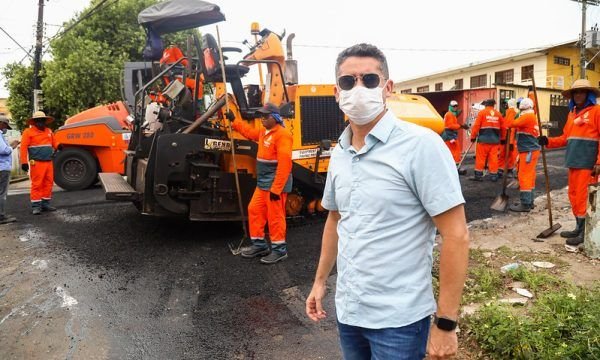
254,28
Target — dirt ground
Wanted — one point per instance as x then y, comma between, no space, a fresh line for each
518,232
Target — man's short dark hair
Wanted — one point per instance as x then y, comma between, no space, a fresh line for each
363,50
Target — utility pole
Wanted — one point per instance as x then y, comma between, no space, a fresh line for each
37,59
582,59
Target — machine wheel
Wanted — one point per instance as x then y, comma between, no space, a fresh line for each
75,169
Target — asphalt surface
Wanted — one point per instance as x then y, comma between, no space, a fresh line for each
120,285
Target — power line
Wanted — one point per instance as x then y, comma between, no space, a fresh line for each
90,13
318,46
16,42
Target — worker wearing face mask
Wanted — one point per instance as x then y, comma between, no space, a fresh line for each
37,148
389,185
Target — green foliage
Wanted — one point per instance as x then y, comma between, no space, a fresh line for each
482,283
535,280
87,61
20,87
560,324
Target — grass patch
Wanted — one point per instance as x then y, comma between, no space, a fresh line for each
560,324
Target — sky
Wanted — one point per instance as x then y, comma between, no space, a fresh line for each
417,37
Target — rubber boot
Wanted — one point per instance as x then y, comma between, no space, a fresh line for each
500,173
493,177
36,207
578,229
259,247
462,171
46,206
526,203
478,176
278,253
579,238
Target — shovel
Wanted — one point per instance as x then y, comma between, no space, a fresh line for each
464,156
553,227
501,201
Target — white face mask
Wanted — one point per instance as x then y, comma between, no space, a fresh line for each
361,105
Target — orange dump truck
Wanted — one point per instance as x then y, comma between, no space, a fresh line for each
90,142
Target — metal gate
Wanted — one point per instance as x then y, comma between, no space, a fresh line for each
559,110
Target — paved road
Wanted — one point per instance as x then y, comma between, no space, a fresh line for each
97,280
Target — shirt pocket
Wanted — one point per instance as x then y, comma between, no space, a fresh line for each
342,197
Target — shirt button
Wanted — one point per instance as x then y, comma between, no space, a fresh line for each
356,159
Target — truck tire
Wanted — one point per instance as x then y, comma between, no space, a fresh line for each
74,169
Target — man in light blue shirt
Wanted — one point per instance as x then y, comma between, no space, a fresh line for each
390,184
5,168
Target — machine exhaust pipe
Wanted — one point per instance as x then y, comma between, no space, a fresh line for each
291,66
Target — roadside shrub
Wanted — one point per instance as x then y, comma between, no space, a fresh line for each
560,324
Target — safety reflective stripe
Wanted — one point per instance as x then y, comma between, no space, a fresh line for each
39,146
526,133
267,161
490,127
582,138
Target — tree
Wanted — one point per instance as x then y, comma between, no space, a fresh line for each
19,85
87,61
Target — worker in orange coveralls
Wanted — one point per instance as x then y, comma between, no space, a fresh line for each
581,135
450,134
528,131
489,133
273,183
511,114
37,148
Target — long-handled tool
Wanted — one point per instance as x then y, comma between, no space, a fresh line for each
466,152
553,227
501,201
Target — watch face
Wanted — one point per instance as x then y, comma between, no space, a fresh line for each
445,324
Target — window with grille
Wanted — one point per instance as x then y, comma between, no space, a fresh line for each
562,60
458,84
526,72
591,66
406,91
478,81
439,86
422,89
504,77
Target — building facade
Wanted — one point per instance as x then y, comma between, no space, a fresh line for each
555,67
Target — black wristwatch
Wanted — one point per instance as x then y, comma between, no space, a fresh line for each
443,323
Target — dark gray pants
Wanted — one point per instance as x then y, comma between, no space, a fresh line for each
4,178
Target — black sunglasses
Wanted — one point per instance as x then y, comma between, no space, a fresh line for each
370,81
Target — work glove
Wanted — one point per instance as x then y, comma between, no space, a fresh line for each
596,170
273,196
25,167
465,126
543,140
502,142
473,139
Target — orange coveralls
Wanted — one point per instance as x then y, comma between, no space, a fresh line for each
37,148
580,135
489,128
451,126
274,174
527,129
512,154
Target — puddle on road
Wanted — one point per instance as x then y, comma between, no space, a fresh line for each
68,217
40,264
67,299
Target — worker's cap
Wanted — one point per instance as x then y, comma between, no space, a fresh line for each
581,84
526,104
268,109
488,102
453,103
40,115
6,120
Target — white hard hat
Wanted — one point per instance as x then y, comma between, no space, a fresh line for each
512,103
453,103
526,104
